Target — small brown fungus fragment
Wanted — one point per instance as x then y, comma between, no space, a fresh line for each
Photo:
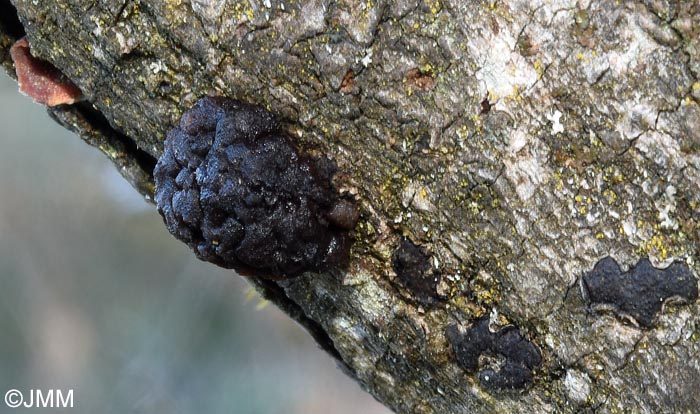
40,80
348,83
233,187
419,79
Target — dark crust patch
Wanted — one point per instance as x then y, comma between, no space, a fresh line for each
521,357
640,292
233,187
412,266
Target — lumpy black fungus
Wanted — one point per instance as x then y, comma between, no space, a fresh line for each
519,356
641,292
233,187
412,266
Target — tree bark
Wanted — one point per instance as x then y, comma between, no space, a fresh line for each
519,143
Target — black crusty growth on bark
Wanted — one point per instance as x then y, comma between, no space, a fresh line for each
412,266
521,356
641,292
233,187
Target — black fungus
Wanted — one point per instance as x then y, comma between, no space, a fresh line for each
518,356
344,214
233,187
640,292
412,266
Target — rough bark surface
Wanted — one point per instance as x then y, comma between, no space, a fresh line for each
518,142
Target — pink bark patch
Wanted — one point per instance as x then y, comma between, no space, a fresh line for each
40,80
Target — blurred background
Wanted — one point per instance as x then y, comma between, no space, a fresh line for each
97,297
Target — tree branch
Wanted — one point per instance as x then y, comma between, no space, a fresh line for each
517,144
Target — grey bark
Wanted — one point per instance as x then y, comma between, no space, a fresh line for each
519,142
